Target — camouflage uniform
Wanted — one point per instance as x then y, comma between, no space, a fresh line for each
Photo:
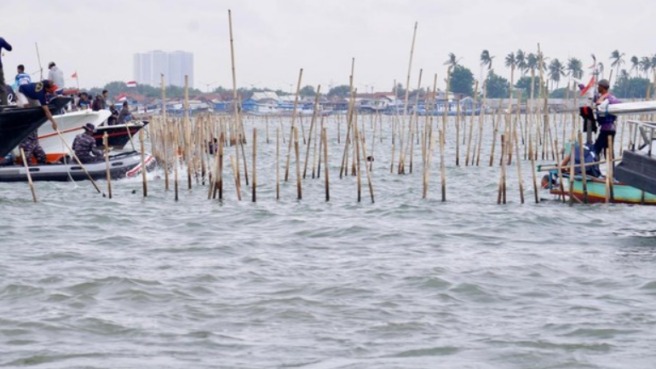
31,147
85,145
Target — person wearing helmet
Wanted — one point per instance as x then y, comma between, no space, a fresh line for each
606,121
84,146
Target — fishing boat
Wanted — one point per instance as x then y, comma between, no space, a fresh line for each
638,165
595,192
123,165
17,123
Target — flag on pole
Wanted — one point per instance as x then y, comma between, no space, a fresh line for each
588,87
74,76
131,84
122,97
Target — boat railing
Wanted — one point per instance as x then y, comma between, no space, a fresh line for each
646,131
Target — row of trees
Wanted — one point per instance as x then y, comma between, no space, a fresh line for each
630,83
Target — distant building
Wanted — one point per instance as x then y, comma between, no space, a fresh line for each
148,68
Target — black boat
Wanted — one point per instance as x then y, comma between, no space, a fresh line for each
17,123
127,164
117,135
638,165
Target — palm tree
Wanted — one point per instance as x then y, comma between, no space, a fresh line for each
556,70
520,58
452,61
486,60
617,61
575,68
532,65
645,65
511,62
635,64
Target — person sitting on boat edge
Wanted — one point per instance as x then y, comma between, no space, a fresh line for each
606,121
35,93
84,146
589,157
125,115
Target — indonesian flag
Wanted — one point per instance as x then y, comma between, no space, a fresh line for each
588,87
122,97
131,84
74,76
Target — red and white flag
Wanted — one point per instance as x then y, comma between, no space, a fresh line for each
122,97
74,76
131,84
588,87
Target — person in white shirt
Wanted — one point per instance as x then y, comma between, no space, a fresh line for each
56,75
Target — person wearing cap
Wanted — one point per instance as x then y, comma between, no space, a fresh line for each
35,94
84,146
3,90
56,75
606,121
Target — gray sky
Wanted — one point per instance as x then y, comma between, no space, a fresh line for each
274,39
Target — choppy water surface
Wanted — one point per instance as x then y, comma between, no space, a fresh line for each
88,282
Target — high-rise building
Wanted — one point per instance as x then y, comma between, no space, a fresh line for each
148,68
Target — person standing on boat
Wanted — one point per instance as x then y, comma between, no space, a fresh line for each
98,103
125,115
56,75
84,146
35,93
105,95
606,121
3,90
22,78
114,117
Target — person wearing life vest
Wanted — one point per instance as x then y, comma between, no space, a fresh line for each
606,121
35,94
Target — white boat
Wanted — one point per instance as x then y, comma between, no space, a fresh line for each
70,125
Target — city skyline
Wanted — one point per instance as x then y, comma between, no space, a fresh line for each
148,67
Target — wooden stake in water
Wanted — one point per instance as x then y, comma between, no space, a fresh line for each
298,165
164,126
582,168
325,163
471,126
235,171
309,142
109,176
29,175
442,168
277,164
143,164
532,157
254,184
291,138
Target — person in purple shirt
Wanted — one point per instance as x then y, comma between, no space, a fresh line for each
3,90
606,121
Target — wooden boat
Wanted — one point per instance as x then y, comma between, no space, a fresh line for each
638,165
117,135
596,191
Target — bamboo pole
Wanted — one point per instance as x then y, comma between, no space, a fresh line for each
221,154
266,122
187,131
442,168
84,169
458,132
277,164
471,125
298,165
109,176
325,164
519,166
533,173
235,106
582,167
356,132
366,169
164,126
254,184
289,148
235,171
610,174
309,142
243,155
29,175
176,161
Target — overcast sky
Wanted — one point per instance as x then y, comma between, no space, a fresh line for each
274,39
